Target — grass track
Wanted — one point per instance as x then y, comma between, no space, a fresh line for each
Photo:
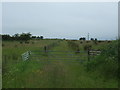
56,74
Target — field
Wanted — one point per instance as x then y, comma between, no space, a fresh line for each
62,68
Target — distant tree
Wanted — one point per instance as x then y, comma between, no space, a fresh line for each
25,36
16,37
38,37
34,37
6,37
41,37
92,39
95,39
82,38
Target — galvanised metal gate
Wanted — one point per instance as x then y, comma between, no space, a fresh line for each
69,56
66,56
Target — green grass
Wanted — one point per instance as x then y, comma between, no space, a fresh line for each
46,71
107,62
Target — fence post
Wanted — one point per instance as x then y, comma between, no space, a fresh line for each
45,48
88,52
88,55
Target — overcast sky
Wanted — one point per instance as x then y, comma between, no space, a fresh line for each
62,20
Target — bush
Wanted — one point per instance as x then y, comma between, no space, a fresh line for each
26,42
33,42
87,47
15,46
81,42
21,42
73,45
107,62
87,41
3,45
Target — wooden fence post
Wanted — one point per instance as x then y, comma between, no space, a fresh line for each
45,48
88,52
88,55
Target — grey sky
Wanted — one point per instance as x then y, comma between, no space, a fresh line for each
62,20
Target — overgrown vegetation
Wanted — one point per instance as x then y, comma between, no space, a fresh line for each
11,51
73,45
37,73
87,47
106,63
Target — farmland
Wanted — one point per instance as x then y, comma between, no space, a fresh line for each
63,68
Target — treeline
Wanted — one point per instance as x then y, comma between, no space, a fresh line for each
92,39
20,37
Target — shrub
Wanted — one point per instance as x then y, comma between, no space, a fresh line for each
21,42
108,41
26,42
73,45
33,42
87,47
3,45
107,62
81,42
87,41
15,46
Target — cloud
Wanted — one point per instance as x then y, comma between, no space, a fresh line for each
71,20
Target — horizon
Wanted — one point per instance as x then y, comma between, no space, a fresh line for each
63,37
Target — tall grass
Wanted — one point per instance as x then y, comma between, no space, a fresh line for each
73,45
107,63
36,73
11,51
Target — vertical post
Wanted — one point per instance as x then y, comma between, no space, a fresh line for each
88,55
45,48
88,36
29,52
88,52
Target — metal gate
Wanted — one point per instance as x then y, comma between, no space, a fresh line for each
66,56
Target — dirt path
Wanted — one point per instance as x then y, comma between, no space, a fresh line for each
60,72
55,70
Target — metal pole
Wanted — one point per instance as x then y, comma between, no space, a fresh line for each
88,36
